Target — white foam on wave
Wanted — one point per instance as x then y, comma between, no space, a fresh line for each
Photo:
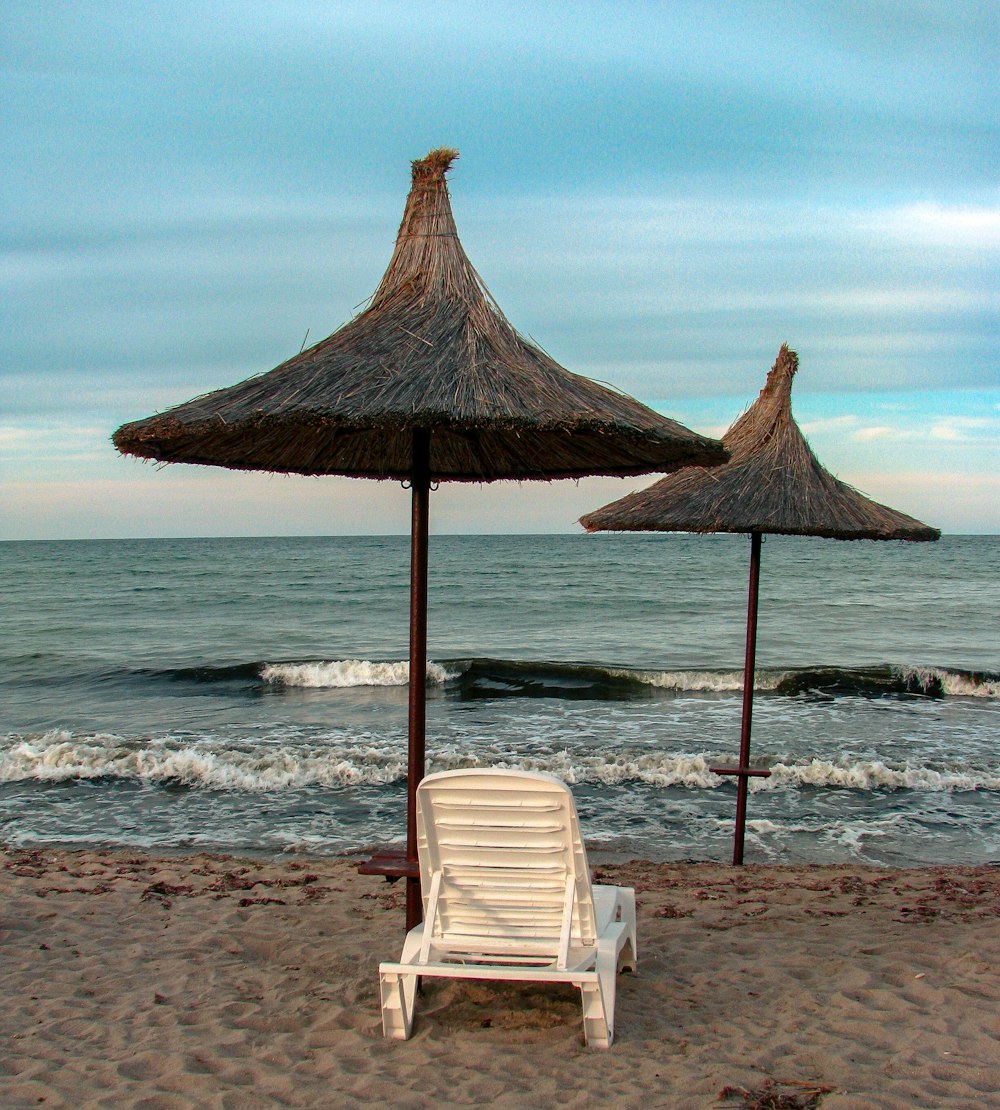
953,684
58,756
352,761
875,775
702,681
694,681
950,683
855,833
345,673
610,769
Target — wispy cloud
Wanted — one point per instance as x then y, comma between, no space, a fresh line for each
830,424
965,429
51,441
873,432
944,225
942,416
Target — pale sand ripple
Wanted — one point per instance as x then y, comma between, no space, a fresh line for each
131,980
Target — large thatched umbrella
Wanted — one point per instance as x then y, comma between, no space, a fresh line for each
772,483
429,383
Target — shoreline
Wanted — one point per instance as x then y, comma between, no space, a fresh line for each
182,979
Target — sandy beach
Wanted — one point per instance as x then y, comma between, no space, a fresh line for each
130,979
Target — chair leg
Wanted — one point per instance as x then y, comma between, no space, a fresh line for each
628,958
598,1030
398,999
399,992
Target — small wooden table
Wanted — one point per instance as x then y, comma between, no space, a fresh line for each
391,864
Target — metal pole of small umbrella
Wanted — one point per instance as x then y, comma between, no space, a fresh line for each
420,496
744,771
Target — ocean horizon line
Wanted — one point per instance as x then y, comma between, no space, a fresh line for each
647,536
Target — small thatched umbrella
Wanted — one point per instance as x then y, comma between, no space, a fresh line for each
429,383
772,483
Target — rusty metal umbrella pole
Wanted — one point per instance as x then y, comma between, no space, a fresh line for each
417,728
744,772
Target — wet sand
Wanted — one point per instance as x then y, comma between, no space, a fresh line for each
137,980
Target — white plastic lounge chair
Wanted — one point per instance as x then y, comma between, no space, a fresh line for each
507,895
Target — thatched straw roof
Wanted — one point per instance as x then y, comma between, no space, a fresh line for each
772,483
431,351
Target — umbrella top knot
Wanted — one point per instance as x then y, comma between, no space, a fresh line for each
432,168
779,378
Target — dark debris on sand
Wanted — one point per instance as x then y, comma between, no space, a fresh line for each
777,1094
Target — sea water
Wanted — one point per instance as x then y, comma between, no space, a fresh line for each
250,695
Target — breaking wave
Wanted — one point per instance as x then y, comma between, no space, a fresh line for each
476,678
871,775
493,678
937,682
345,673
250,766
59,757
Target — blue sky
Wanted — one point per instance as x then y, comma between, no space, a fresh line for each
659,194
